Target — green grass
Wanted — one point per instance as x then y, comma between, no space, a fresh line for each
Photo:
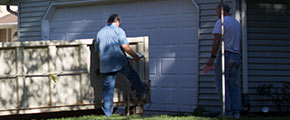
162,117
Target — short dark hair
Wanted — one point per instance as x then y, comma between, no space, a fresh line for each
113,18
226,7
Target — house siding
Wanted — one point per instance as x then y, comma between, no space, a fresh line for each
268,47
31,13
268,50
268,43
207,95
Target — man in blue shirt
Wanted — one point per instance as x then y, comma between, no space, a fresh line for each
232,43
110,45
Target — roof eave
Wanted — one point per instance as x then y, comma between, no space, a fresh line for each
11,2
8,25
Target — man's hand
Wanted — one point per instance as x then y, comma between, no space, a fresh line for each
136,58
209,65
210,61
128,50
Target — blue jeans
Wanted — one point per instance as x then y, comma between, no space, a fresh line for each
109,80
232,88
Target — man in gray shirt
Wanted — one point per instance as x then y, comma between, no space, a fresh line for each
232,40
110,44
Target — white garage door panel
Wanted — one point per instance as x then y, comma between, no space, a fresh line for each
168,66
172,29
170,97
57,36
186,67
152,68
166,81
76,26
78,13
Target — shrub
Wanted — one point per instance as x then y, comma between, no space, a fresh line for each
279,95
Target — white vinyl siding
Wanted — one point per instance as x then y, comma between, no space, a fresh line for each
268,47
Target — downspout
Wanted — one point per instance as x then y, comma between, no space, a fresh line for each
18,22
16,14
9,10
246,101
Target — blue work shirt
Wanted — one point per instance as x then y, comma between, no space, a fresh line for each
232,36
108,45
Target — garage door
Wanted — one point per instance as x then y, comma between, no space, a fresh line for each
172,27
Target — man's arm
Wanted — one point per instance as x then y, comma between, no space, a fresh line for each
215,47
125,44
128,50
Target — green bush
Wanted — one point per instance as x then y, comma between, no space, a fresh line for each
279,95
199,111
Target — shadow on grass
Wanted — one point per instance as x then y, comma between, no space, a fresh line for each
97,115
50,115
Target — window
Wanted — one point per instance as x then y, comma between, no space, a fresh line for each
3,35
7,36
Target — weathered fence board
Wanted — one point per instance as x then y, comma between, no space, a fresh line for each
27,87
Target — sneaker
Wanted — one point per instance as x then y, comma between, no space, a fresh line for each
143,97
237,115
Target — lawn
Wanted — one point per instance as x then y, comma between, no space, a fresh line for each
162,117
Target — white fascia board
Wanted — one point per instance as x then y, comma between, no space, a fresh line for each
8,25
